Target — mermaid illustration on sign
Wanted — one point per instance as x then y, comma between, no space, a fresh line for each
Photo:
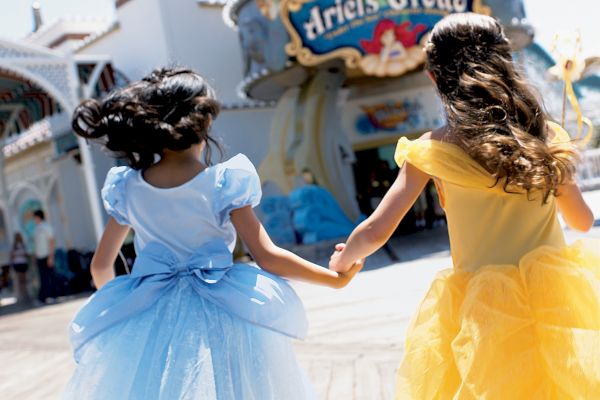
393,50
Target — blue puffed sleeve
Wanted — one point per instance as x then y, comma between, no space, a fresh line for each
238,185
113,193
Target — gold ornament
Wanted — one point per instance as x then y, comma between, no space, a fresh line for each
571,67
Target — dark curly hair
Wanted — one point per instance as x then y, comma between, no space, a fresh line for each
171,108
489,108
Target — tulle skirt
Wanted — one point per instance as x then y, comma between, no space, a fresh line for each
185,347
509,332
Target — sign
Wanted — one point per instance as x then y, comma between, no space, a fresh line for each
404,112
379,37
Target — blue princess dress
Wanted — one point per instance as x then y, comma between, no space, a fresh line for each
187,323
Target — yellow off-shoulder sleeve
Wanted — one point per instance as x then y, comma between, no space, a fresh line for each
445,161
402,149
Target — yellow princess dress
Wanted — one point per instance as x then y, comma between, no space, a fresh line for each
518,317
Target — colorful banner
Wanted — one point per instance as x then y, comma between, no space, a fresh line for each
379,37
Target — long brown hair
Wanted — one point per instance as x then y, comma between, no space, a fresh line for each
490,110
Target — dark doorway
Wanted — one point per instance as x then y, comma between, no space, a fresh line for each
374,172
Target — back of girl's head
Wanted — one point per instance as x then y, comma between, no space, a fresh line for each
489,107
170,109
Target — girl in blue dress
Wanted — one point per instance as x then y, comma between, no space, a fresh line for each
187,323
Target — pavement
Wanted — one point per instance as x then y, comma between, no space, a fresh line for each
354,344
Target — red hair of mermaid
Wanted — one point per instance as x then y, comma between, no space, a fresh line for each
407,37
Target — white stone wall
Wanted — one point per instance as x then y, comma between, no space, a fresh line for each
196,36
244,132
138,43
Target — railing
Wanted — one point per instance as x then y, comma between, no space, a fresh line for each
588,174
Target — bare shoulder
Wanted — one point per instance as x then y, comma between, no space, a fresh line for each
436,134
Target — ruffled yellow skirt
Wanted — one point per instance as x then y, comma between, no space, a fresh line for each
507,332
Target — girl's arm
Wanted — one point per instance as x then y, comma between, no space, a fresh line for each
107,251
575,211
373,232
282,262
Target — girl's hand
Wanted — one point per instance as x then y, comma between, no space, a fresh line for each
334,260
344,278
281,262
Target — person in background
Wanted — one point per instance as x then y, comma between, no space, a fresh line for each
43,248
19,259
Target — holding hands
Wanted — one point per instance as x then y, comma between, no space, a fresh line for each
337,264
345,272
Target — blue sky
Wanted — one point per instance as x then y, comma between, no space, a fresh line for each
547,17
16,19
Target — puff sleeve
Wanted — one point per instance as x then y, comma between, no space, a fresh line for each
113,194
238,185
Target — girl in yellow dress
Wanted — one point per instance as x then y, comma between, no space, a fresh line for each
518,317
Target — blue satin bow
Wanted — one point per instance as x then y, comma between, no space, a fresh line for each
210,262
243,290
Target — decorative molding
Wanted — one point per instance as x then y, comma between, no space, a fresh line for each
38,133
18,50
68,36
96,36
41,73
64,24
16,189
54,74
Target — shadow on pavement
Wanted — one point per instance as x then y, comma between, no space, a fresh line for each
29,305
423,244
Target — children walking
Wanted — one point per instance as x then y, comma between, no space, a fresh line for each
518,317
187,323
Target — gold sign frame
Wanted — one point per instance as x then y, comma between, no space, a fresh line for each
350,55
